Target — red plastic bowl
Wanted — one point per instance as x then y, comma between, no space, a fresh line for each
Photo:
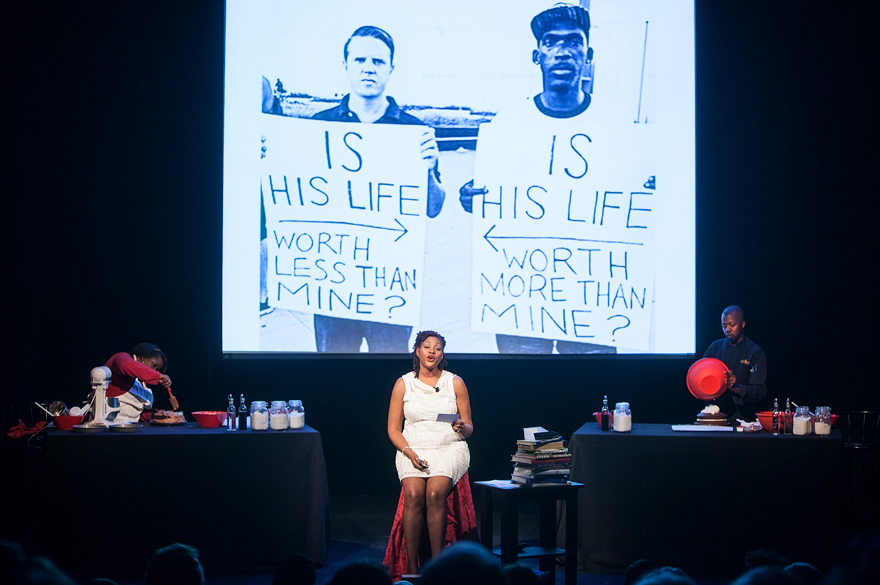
210,418
707,378
65,423
765,417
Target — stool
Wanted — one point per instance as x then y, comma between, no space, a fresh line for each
461,524
508,495
860,429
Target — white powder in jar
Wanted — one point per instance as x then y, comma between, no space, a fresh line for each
802,425
822,428
259,421
297,420
278,421
622,422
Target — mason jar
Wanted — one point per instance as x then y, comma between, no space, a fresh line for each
259,415
278,415
803,421
822,422
622,418
297,414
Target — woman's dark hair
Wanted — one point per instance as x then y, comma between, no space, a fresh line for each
421,336
371,31
146,350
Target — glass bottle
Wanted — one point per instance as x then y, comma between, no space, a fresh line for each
278,414
605,415
259,415
789,418
803,421
296,414
242,415
775,416
230,415
822,422
622,418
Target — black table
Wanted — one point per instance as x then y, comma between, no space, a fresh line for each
248,498
701,500
508,497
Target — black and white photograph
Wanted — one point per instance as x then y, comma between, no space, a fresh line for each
519,173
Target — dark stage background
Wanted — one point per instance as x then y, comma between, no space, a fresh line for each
113,228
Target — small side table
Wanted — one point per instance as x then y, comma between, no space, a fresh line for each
508,496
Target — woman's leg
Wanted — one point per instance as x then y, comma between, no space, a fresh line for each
438,488
413,518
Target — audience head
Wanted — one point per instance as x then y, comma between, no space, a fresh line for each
177,564
17,567
637,570
517,574
806,573
297,570
100,581
40,571
764,558
856,563
464,563
766,575
361,573
666,576
12,557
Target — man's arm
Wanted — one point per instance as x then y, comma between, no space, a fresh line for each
467,193
756,389
436,194
431,156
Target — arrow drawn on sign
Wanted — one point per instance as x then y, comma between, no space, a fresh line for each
490,238
403,231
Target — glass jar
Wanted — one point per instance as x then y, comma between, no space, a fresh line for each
278,415
259,415
822,422
297,414
622,418
803,421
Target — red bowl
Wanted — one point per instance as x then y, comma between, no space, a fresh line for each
766,419
210,419
65,423
707,378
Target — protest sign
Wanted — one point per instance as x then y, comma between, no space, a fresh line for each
345,218
563,240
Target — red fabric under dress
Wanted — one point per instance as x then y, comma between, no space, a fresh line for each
461,524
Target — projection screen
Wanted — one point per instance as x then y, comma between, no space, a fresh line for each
522,185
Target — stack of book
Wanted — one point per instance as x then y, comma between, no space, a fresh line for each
542,461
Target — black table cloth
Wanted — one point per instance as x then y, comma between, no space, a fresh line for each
245,498
701,500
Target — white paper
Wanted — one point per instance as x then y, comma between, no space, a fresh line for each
529,432
447,418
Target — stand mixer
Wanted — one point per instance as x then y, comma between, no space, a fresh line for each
104,409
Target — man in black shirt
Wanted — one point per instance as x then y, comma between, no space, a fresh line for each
746,384
563,54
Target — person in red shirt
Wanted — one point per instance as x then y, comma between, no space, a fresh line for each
130,375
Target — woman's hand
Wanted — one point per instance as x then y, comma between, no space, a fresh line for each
458,426
416,462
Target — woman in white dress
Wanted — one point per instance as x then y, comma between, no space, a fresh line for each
431,455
